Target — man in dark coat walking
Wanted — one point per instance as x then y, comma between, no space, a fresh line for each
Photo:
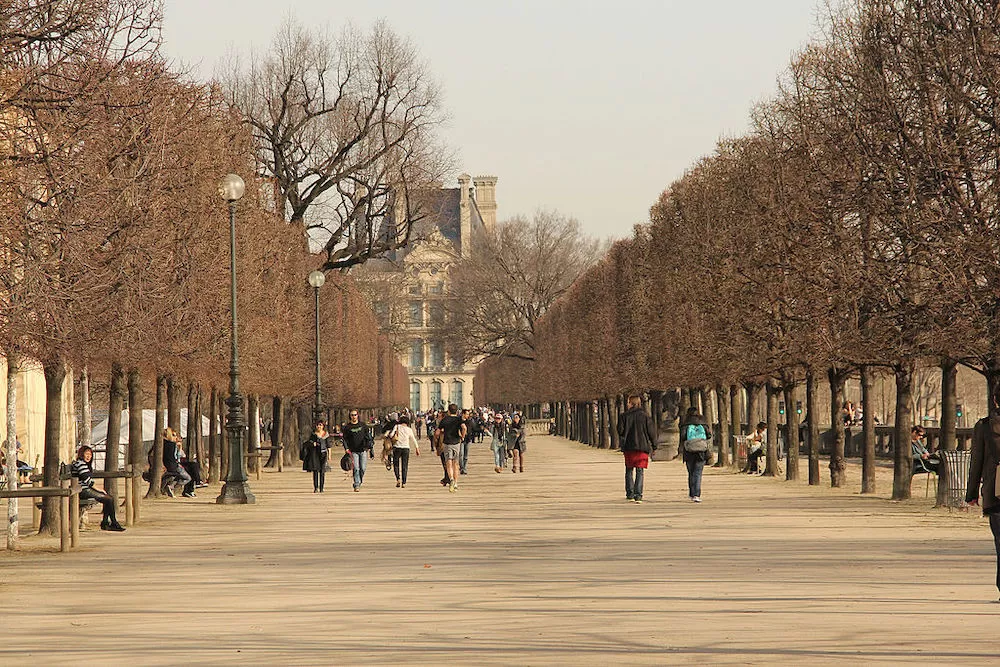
983,471
638,441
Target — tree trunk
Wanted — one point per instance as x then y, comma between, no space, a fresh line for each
253,420
214,457
734,419
191,437
613,422
812,422
135,446
173,404
791,431
753,398
55,373
156,470
867,431
87,416
948,442
771,468
13,366
277,421
837,463
902,469
116,403
199,428
722,407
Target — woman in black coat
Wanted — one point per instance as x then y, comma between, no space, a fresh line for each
314,455
983,471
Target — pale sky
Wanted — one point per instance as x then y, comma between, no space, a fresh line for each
588,108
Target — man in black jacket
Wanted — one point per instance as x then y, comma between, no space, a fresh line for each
359,441
638,441
983,470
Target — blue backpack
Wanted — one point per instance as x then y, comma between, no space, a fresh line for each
696,432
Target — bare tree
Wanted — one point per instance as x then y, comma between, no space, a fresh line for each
512,277
345,127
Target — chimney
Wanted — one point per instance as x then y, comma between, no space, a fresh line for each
486,200
464,215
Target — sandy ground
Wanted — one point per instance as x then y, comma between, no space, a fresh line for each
551,567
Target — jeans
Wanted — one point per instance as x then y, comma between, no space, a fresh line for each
319,479
179,477
360,462
695,466
106,501
499,453
463,457
633,489
400,462
995,527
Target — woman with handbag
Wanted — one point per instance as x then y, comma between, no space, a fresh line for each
315,454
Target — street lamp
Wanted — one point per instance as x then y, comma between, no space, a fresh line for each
316,279
235,491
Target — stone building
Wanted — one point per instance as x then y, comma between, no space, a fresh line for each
421,275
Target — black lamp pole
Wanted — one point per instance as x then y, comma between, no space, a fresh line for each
235,491
317,279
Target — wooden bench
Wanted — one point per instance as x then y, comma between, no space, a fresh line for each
260,455
69,508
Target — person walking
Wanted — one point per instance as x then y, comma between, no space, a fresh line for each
315,455
696,439
83,470
359,442
516,443
405,440
499,444
452,430
983,472
638,441
470,433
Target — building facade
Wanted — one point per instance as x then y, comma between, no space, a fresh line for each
438,374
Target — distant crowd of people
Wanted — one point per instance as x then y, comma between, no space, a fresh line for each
450,432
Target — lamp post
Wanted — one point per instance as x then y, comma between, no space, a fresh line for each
316,279
235,491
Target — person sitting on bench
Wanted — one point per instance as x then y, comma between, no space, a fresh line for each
174,474
923,460
757,444
83,471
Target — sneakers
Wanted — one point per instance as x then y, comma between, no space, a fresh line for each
357,489
113,527
189,494
452,488
638,501
403,486
398,485
696,499
170,492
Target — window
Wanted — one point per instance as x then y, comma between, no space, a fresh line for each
416,313
437,354
436,289
416,354
436,403
457,391
415,289
415,396
436,314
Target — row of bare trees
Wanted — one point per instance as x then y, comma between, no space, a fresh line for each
853,228
114,239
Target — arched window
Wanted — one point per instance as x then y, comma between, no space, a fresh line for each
457,392
415,396
436,403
